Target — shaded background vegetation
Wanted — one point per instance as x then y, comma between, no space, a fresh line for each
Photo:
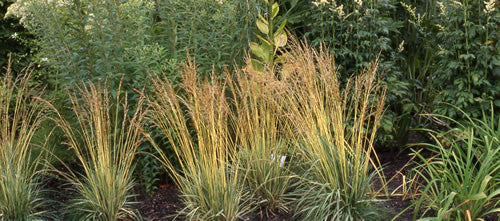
430,51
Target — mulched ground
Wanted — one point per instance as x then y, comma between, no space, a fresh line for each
165,202
396,167
162,205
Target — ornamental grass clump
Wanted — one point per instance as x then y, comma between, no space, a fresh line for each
21,161
263,139
197,126
335,127
461,180
105,143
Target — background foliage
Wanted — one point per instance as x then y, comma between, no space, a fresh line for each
215,33
430,52
15,40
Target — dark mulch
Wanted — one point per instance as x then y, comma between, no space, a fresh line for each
396,169
166,202
262,216
56,189
162,205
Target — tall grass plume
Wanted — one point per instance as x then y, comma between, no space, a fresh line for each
105,143
336,127
22,113
196,125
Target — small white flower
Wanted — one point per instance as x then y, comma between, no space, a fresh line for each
456,3
416,18
340,11
409,9
45,59
442,8
320,3
359,2
489,6
401,46
14,35
441,27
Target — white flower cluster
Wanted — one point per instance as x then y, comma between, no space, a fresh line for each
332,6
442,8
489,6
320,3
359,2
16,9
20,8
416,18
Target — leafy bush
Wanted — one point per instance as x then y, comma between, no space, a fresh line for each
16,41
148,168
468,58
22,113
88,40
335,128
215,33
430,52
273,39
461,181
105,143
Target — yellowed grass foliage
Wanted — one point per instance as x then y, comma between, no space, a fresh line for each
22,113
105,143
243,123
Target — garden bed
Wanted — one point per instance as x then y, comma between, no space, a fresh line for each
165,202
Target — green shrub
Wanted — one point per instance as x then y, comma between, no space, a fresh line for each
468,66
15,40
451,57
430,52
89,40
358,32
22,113
215,33
272,39
148,169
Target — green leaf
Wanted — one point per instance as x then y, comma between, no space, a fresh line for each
262,27
264,20
257,65
497,103
280,40
427,219
281,28
258,51
466,57
485,182
477,196
280,59
264,41
275,9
